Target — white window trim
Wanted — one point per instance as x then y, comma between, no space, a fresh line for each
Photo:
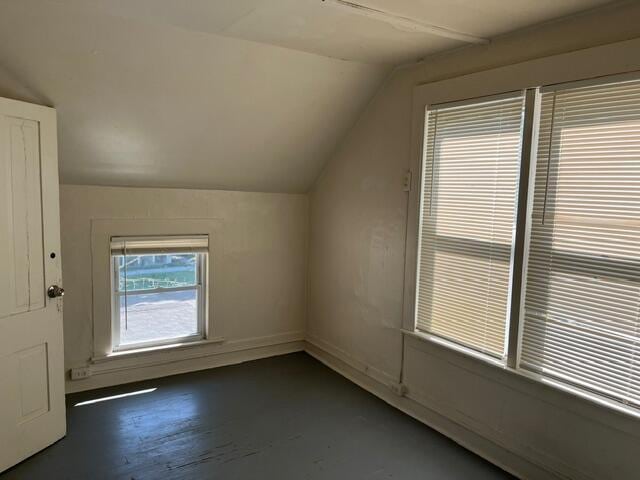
586,67
101,232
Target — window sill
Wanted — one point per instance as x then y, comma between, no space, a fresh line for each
603,404
443,342
148,351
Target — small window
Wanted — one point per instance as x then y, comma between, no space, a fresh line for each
158,294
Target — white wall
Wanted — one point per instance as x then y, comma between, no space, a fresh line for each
261,257
357,222
356,267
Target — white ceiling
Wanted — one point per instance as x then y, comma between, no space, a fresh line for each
150,105
202,93
319,26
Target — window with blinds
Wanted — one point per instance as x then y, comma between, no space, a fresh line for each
158,290
577,242
582,301
468,202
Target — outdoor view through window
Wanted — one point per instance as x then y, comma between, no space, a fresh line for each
157,298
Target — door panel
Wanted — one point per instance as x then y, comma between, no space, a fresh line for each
32,377
23,232
32,410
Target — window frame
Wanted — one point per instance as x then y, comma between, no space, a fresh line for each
533,81
521,226
580,254
200,288
102,230
514,94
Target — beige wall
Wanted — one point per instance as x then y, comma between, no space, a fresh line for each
357,224
261,257
356,267
357,206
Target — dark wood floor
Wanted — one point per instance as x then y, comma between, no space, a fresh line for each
280,418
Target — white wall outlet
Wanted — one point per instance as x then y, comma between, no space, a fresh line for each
79,373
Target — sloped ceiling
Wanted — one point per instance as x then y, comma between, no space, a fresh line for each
242,94
335,28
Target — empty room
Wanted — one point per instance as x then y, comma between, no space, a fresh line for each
319,239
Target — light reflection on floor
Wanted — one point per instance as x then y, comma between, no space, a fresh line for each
114,397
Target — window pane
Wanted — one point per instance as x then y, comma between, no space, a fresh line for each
471,167
582,298
156,290
149,317
147,272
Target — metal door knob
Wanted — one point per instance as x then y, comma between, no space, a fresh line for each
55,291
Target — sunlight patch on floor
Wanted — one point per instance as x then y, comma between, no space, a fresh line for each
114,397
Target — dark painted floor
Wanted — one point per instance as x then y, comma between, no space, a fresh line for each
288,417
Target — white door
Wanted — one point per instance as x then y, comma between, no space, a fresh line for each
32,408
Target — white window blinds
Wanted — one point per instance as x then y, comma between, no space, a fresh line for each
159,245
470,175
582,297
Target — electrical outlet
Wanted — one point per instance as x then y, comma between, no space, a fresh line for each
79,373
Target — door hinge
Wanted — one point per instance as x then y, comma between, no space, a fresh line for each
406,186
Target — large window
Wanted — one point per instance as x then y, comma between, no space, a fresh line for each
472,154
547,278
157,290
581,319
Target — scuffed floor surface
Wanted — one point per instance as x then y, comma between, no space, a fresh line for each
288,417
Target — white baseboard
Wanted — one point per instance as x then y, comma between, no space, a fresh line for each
134,369
380,376
494,453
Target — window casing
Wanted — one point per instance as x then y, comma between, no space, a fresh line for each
158,290
574,295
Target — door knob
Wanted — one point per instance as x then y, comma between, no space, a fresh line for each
55,291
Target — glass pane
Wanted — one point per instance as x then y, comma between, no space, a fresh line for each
148,272
147,317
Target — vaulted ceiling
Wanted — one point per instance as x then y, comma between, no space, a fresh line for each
237,94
